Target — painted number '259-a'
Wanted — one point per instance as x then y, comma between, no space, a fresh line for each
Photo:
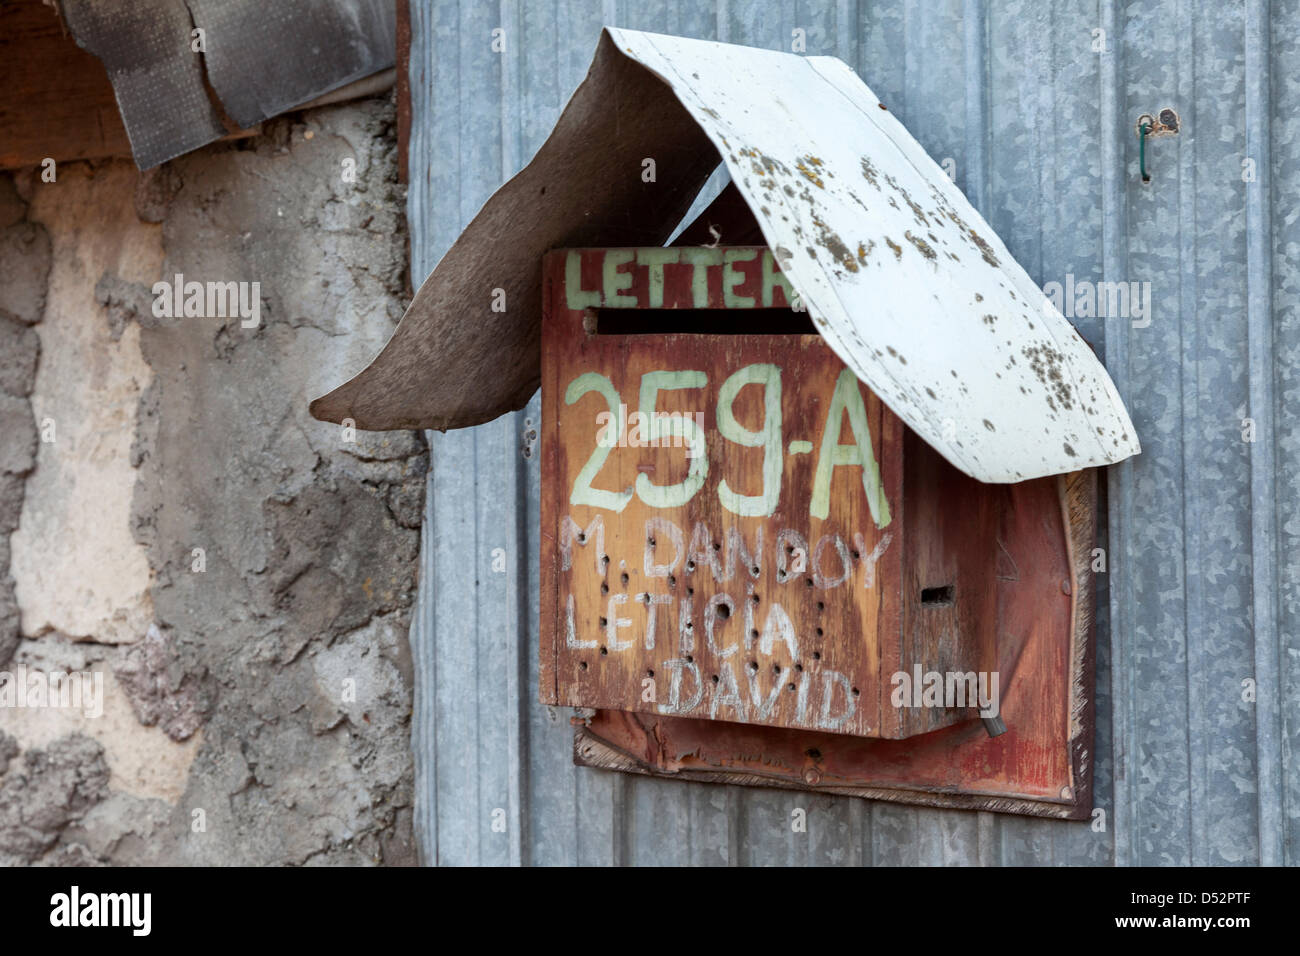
681,430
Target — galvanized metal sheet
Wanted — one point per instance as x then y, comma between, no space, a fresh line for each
1032,105
905,280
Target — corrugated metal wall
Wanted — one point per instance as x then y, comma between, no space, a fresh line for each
1204,526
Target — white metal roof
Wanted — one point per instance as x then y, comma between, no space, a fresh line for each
905,280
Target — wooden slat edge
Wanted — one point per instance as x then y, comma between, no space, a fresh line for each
591,750
1078,492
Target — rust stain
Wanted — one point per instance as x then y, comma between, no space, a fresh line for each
922,246
1046,363
869,172
835,245
985,249
763,164
809,167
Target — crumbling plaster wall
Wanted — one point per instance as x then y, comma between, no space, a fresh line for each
172,519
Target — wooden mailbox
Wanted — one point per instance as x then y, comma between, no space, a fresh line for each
743,549
774,549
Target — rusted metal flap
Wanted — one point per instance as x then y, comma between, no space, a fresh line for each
455,361
905,280
157,79
263,59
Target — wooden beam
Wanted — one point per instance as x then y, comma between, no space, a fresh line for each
403,87
55,98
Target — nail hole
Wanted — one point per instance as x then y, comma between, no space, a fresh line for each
937,597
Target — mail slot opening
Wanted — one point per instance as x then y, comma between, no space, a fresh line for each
937,597
702,322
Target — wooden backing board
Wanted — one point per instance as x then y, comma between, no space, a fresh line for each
777,611
742,632
55,98
1042,766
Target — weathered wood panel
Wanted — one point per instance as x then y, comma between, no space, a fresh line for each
733,561
1040,767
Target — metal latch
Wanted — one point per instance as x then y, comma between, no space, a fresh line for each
1166,123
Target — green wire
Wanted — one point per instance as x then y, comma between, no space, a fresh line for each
1142,151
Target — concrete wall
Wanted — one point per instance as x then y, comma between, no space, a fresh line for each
172,521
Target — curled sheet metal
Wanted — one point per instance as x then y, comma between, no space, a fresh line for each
904,279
